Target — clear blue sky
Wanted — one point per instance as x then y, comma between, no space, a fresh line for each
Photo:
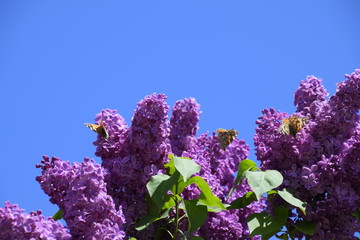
61,62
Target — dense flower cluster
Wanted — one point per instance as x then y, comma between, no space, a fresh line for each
140,154
144,148
15,224
218,168
321,164
80,191
184,125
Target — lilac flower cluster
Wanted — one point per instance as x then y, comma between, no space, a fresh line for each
322,164
80,192
144,148
184,125
15,224
139,155
105,202
218,168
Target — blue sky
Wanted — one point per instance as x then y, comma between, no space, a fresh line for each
61,62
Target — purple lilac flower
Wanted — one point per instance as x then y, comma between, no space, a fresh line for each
218,168
80,191
16,224
322,163
184,125
145,147
143,150
117,129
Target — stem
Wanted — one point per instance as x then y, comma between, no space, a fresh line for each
176,213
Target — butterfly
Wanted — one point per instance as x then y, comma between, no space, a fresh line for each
292,125
99,129
226,137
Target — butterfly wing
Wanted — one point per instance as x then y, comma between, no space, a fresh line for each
92,126
226,137
291,126
296,124
284,127
99,129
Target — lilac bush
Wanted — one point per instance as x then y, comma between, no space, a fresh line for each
143,151
80,191
16,224
321,164
218,168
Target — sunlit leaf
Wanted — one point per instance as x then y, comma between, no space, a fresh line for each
186,167
58,215
159,185
261,182
289,197
244,165
264,223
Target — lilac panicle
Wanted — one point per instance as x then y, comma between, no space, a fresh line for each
16,224
117,130
147,143
322,163
184,124
218,168
80,191
310,94
148,137
142,152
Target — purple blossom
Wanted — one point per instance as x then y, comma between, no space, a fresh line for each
218,168
80,191
310,95
16,224
322,163
184,125
143,150
117,129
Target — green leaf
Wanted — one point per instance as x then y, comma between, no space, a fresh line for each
289,197
182,185
182,234
58,215
186,167
306,227
196,214
261,182
206,195
268,235
282,236
151,206
356,214
170,167
244,166
271,192
243,201
169,201
146,220
263,223
159,185
196,238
